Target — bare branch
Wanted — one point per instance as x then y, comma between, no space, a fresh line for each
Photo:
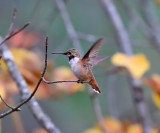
68,24
148,10
53,82
27,97
125,46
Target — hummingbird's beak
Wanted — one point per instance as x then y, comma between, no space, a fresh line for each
58,53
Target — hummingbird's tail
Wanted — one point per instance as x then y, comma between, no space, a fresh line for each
95,86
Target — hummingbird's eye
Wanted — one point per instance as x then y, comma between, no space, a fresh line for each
69,53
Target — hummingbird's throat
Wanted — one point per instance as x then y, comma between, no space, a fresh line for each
71,57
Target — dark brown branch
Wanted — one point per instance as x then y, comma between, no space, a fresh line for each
27,97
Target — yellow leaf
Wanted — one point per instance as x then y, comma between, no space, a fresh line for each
93,130
156,99
137,64
111,124
29,65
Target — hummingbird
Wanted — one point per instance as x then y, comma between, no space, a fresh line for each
82,67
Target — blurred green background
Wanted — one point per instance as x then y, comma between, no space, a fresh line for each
74,113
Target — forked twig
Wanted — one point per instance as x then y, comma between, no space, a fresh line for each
26,96
8,104
13,109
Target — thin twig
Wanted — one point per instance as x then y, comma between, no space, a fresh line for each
12,108
53,82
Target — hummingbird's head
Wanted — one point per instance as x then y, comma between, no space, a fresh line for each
71,53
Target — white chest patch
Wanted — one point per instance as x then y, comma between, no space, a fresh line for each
74,67
73,61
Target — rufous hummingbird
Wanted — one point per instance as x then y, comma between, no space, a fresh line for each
81,67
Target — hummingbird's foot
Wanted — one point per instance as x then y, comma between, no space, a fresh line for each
80,81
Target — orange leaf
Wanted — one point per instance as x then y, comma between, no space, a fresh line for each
156,99
135,128
112,124
153,82
137,64
23,39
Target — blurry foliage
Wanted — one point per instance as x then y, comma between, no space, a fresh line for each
69,112
115,126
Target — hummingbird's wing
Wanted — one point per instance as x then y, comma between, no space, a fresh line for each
99,59
90,57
